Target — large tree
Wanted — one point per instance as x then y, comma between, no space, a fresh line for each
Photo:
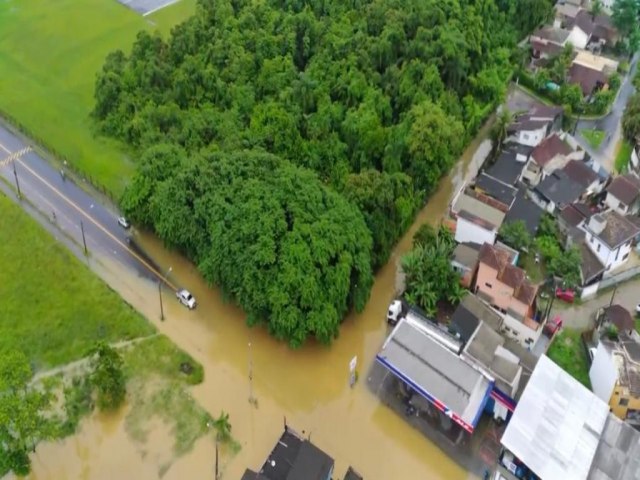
377,97
631,119
22,423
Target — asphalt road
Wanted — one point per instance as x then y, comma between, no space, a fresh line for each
71,208
611,123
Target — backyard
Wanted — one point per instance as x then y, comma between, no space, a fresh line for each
55,315
51,52
567,351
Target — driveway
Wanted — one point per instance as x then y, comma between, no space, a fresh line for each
581,317
610,124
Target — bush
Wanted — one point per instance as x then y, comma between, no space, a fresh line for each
108,377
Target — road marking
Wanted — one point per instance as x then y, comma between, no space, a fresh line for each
91,219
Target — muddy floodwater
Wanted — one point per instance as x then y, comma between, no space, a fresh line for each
309,387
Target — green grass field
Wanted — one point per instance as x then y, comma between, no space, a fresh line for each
52,307
567,351
594,137
49,55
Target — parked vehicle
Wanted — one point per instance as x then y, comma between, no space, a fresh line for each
186,299
638,309
123,222
395,312
592,354
553,326
565,294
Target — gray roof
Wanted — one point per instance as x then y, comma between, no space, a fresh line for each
495,188
618,229
557,424
556,35
590,266
434,369
466,255
479,209
560,189
486,348
506,168
481,311
524,209
618,454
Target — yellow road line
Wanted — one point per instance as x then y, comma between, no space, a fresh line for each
91,219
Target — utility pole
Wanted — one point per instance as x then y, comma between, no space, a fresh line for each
252,400
613,294
84,240
160,292
12,159
217,474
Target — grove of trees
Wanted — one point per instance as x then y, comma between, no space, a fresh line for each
285,145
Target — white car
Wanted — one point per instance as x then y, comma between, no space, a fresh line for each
186,299
123,222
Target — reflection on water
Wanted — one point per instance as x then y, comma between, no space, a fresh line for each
308,387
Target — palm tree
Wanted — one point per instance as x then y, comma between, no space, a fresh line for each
596,9
223,426
500,128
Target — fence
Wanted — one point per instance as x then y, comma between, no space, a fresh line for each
623,276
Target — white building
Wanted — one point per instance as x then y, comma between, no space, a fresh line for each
476,221
623,194
610,236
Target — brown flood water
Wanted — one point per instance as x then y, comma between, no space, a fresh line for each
308,386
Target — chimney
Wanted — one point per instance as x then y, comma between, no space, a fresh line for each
597,223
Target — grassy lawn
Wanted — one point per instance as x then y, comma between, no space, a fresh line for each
623,156
53,307
593,137
527,262
49,55
567,351
637,324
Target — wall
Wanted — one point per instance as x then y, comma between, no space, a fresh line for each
520,332
531,173
467,231
610,259
614,279
614,204
603,374
500,293
531,138
578,38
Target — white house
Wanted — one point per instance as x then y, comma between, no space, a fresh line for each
623,194
476,221
609,236
578,37
528,132
551,154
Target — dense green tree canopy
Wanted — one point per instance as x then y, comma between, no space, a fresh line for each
376,97
292,252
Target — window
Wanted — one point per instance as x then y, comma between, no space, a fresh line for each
598,249
617,254
592,239
626,255
488,285
623,402
525,136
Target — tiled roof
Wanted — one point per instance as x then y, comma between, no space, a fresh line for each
620,317
549,148
590,265
557,35
625,188
579,172
500,260
560,189
617,230
587,78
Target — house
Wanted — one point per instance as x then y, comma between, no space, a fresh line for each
550,41
294,458
465,262
579,172
565,14
469,313
591,72
609,235
556,191
523,209
591,268
508,166
623,194
496,189
433,377
615,376
478,218
561,430
532,127
618,316
507,289
551,154
571,217
599,29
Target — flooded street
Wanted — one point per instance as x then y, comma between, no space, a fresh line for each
308,386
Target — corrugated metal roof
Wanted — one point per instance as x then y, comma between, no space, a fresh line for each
618,455
557,424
